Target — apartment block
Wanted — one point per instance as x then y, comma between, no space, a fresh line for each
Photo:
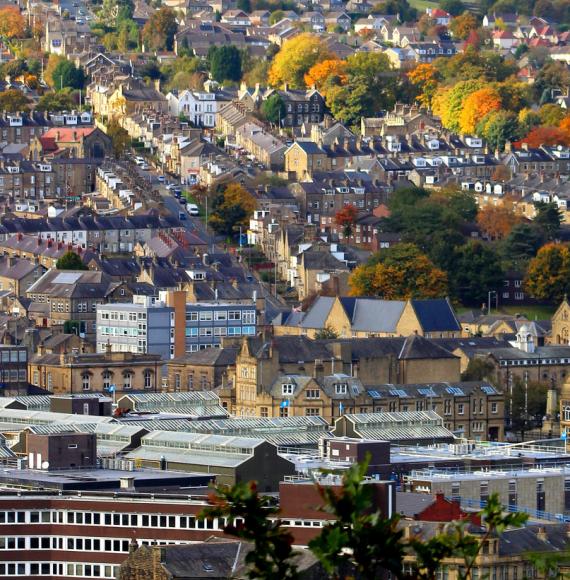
208,322
142,326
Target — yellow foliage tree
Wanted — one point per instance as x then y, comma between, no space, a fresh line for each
477,106
53,61
426,78
399,273
12,23
296,57
322,75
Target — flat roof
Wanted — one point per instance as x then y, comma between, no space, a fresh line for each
101,479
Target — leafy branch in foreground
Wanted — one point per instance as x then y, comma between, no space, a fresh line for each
272,556
358,541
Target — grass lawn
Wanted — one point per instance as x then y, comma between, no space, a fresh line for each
538,312
421,5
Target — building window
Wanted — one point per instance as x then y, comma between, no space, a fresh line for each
107,377
284,411
127,381
460,409
341,388
147,376
312,412
313,394
494,408
263,412
86,382
287,388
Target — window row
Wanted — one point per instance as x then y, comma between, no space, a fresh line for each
58,569
247,316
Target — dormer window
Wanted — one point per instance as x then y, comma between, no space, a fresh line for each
287,388
341,388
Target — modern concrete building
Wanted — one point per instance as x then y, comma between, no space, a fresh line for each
141,326
208,322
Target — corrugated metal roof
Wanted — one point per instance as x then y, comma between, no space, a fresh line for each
413,425
32,402
30,417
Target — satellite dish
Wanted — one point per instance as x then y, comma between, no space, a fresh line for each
45,464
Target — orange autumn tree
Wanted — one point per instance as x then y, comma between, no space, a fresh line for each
497,221
477,106
346,218
546,136
425,77
399,273
12,23
330,72
565,127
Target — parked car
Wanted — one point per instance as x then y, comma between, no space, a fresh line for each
192,209
182,215
161,178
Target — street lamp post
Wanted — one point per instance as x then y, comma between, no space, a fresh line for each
489,294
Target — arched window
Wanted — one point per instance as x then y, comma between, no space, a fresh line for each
86,381
107,379
567,413
127,380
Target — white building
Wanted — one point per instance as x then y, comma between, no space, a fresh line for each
199,107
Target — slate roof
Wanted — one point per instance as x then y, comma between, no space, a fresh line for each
72,284
436,315
418,347
209,356
16,268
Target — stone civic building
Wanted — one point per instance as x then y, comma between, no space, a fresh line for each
95,373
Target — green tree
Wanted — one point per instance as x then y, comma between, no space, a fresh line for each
56,101
370,88
119,137
477,270
454,7
225,63
479,369
276,16
553,75
498,128
548,219
244,5
159,31
551,114
273,109
326,333
13,101
528,404
521,245
70,261
67,75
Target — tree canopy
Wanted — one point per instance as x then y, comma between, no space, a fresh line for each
70,261
399,273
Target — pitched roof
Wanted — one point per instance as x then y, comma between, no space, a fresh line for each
436,315
418,347
62,134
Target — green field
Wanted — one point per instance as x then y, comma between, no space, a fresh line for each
531,312
421,5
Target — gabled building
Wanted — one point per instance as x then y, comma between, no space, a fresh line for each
373,317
